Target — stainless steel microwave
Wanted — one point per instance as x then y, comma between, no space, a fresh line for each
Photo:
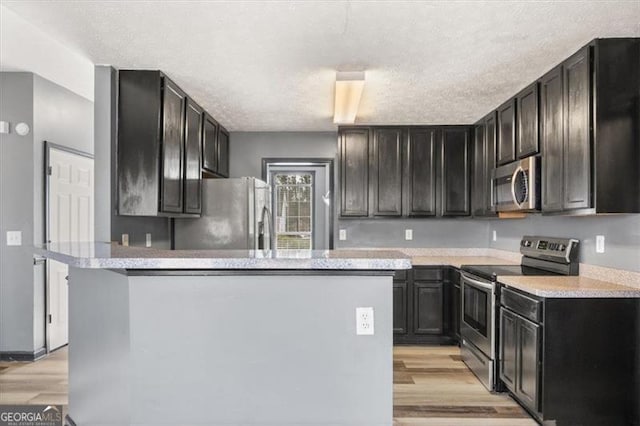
516,186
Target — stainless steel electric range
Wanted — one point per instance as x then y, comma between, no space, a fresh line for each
478,326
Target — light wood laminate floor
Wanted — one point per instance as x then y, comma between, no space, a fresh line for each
432,386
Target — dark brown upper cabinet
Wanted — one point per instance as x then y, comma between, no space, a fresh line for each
412,171
528,121
386,172
455,171
590,114
354,172
150,145
490,140
552,138
159,147
223,152
507,132
484,158
209,144
420,175
478,170
215,148
192,159
173,109
577,132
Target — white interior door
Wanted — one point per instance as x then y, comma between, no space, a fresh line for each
70,218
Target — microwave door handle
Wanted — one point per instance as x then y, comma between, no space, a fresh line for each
513,186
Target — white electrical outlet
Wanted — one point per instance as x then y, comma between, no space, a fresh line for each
408,234
495,235
364,321
148,243
14,238
342,235
125,239
599,243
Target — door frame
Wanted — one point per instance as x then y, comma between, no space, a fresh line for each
48,146
309,162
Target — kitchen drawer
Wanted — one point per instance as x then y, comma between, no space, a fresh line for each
528,307
427,274
400,275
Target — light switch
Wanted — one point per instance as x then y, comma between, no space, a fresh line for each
342,235
4,127
14,238
148,244
125,239
599,243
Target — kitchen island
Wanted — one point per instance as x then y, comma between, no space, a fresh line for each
161,337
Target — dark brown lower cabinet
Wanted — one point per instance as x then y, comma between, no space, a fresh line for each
456,303
422,310
428,307
520,359
400,319
571,361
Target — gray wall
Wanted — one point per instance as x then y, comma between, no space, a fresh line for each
622,236
57,115
16,214
109,225
247,149
447,233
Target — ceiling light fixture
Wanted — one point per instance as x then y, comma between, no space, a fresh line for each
349,87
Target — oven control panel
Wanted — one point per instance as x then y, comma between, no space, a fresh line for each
549,248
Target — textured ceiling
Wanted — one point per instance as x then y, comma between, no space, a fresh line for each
271,65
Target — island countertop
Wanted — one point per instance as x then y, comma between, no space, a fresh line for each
97,255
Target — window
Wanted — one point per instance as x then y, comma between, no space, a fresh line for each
294,207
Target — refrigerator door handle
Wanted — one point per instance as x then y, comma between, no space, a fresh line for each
266,215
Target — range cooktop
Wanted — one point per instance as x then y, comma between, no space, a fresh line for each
486,271
540,256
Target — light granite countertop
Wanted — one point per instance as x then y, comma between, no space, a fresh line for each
568,287
97,255
458,261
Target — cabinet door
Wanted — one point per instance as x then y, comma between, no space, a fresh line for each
490,124
551,101
399,307
479,174
527,112
192,154
210,144
508,348
456,310
420,187
528,371
223,152
427,307
354,172
507,133
173,111
577,134
455,166
386,172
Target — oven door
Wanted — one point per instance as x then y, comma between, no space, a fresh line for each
478,313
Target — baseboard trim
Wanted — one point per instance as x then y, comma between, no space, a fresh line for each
23,356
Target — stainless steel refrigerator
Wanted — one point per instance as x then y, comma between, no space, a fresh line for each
236,214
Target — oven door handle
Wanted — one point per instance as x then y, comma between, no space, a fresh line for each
484,285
